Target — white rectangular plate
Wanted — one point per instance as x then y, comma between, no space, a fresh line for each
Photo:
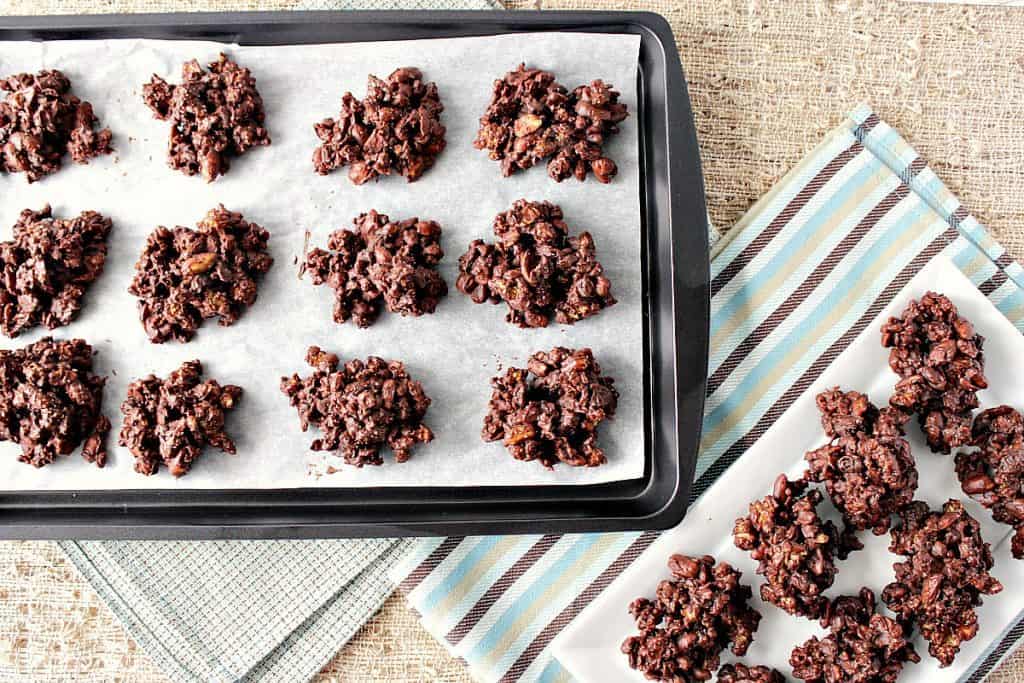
589,647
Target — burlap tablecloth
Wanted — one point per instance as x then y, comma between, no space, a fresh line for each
768,80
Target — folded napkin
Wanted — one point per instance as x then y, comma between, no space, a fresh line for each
793,283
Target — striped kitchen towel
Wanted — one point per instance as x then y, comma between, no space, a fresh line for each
808,267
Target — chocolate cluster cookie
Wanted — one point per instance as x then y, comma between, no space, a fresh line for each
938,356
993,475
695,615
532,118
861,647
215,115
553,416
395,129
794,548
185,276
51,402
536,268
868,469
380,264
41,121
46,268
170,421
942,580
360,408
741,673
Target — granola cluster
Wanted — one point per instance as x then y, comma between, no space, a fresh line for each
47,267
395,129
532,118
938,357
51,402
867,467
380,264
170,421
185,276
794,548
945,573
215,114
536,268
993,474
552,417
741,673
360,408
41,121
695,615
861,647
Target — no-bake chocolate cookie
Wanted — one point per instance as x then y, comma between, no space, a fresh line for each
695,615
380,264
993,475
532,118
185,276
553,416
942,580
47,267
861,647
867,467
794,548
360,408
41,121
741,673
938,356
170,421
395,129
215,115
536,268
50,402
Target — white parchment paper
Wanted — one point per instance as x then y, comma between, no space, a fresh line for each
453,352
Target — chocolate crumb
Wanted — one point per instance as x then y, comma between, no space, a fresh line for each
741,673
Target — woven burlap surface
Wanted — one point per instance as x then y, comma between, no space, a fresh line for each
768,80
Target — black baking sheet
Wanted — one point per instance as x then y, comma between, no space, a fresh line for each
675,320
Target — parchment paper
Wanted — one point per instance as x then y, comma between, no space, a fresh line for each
453,352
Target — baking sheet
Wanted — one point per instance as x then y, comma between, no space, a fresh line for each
453,352
589,647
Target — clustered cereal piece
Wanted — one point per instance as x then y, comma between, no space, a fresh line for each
867,467
794,548
994,475
50,402
395,128
536,268
943,578
360,408
380,264
214,115
171,421
45,269
741,673
40,121
532,117
552,417
938,356
695,615
185,276
862,646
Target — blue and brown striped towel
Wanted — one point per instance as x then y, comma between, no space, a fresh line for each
808,267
